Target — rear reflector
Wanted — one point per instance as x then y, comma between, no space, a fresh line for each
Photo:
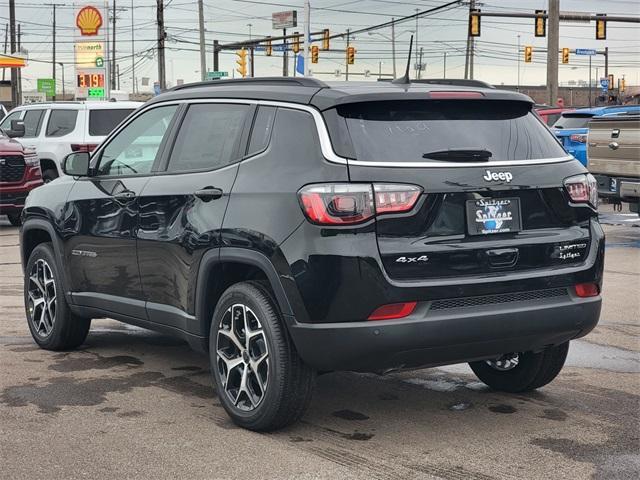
584,290
393,310
578,138
454,95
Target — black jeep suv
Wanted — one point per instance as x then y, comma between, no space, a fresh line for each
289,226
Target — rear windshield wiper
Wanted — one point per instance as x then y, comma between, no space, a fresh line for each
460,155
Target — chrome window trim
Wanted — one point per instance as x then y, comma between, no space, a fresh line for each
325,141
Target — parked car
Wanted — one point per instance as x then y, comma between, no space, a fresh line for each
550,115
614,157
59,128
572,128
291,226
19,172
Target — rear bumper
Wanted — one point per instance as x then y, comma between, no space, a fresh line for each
627,189
439,337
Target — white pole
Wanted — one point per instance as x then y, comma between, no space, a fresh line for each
307,31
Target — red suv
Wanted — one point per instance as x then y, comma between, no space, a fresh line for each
19,172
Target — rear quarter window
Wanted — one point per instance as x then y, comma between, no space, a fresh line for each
103,122
61,123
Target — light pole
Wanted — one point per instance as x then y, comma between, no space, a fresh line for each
417,11
379,70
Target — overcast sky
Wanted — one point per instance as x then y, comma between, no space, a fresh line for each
228,20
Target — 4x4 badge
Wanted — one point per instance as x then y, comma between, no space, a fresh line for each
490,176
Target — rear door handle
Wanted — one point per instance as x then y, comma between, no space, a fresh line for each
208,193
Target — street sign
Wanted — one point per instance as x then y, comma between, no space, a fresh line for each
604,82
33,97
288,19
216,74
585,51
47,86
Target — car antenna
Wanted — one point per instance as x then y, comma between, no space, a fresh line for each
405,80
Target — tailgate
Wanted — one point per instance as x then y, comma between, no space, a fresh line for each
614,147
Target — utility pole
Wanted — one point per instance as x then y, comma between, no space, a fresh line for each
203,53
468,63
417,11
6,37
113,50
133,53
346,59
445,65
393,44
606,65
553,41
19,71
285,54
518,56
420,65
12,37
216,55
162,80
118,76
53,64
307,40
63,89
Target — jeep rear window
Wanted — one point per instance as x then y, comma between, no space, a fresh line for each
392,131
573,120
102,122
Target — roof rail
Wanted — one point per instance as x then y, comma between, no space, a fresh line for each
298,81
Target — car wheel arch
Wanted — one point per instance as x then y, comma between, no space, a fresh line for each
222,267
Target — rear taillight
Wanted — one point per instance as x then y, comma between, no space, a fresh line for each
393,311
578,138
83,147
584,290
354,203
582,188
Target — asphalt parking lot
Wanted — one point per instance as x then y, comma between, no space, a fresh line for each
136,404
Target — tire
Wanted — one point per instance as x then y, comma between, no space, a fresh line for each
534,370
14,219
49,174
55,327
278,386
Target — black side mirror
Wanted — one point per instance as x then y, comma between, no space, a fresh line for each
76,164
17,129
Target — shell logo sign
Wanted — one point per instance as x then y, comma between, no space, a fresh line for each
89,20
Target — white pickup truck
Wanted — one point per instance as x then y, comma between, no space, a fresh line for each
614,157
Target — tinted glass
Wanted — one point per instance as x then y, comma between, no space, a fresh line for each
208,137
405,131
32,122
102,122
573,121
134,149
261,132
6,123
61,123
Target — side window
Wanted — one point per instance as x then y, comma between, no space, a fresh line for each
61,122
32,122
208,137
261,131
6,123
134,149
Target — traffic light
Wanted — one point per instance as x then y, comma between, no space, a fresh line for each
296,42
610,77
242,62
315,50
351,55
601,27
528,54
268,49
325,39
474,22
622,85
565,55
541,24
